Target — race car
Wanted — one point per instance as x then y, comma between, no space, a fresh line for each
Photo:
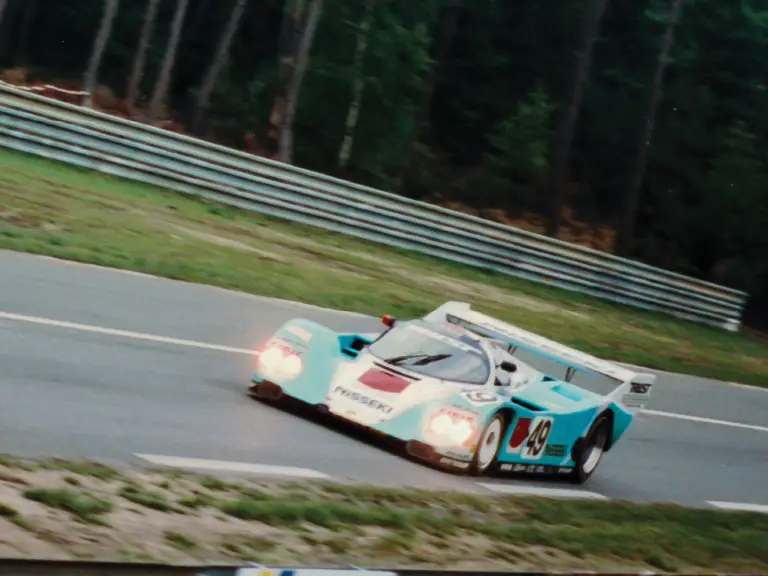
450,389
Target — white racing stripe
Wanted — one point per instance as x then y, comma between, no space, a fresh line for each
120,333
706,420
222,466
740,506
519,490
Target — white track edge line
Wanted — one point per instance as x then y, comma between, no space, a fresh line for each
739,506
224,466
295,303
704,420
120,333
208,346
516,489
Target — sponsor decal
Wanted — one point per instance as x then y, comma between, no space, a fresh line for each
480,396
286,346
529,436
631,401
300,332
637,395
457,456
277,342
537,439
556,450
461,410
637,388
518,436
362,399
384,381
458,413
455,463
535,469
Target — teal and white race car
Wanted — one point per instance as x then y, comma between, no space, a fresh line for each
449,387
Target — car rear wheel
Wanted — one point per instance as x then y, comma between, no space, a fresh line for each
488,445
591,450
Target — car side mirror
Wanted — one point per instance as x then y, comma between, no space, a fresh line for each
387,320
508,366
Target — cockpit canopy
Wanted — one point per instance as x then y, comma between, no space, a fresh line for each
435,350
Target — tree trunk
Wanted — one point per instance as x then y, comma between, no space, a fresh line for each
198,18
204,96
354,109
292,15
139,60
105,29
169,59
285,138
3,4
446,36
3,37
626,231
564,138
22,46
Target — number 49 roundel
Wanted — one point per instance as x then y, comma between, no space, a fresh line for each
529,437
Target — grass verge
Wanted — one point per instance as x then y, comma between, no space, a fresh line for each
286,523
53,209
80,504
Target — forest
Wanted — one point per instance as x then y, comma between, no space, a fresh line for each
638,127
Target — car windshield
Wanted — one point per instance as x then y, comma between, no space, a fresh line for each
434,351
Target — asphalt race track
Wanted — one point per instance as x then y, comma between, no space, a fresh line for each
119,366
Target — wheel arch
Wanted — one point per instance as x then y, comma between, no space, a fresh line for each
606,414
507,411
610,416
508,414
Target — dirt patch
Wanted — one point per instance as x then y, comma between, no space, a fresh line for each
304,251
759,365
301,255
59,509
479,291
228,242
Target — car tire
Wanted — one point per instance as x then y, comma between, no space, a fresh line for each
265,392
488,445
253,390
589,451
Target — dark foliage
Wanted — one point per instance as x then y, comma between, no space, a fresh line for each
490,109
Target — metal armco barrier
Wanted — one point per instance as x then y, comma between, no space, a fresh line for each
83,137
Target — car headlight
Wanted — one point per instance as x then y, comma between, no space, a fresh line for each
278,363
453,426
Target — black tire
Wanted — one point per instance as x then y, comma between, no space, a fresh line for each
494,431
252,390
589,451
265,392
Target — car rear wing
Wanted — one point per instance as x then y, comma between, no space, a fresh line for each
633,390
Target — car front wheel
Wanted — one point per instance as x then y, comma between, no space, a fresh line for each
488,445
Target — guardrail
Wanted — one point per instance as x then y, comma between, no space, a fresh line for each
91,139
